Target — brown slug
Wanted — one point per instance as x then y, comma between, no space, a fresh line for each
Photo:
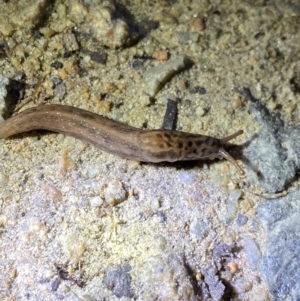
117,138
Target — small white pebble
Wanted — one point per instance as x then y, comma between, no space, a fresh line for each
200,111
86,58
48,273
187,177
60,138
96,201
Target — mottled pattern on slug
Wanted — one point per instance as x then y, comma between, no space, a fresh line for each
177,146
117,138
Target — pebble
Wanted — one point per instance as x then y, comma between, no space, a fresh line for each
57,65
136,64
246,205
165,18
156,77
199,229
28,14
145,100
164,269
62,11
6,29
60,91
237,103
194,36
62,74
70,42
161,55
232,204
118,280
114,193
233,266
101,22
197,24
47,32
200,111
252,252
78,12
183,37
112,60
241,219
96,201
108,87
98,57
187,177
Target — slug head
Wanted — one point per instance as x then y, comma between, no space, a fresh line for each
199,147
171,146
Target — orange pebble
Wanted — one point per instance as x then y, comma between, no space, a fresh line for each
161,55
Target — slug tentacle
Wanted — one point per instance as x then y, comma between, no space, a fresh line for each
230,137
224,154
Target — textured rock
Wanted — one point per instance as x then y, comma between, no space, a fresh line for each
118,280
280,262
168,279
273,155
31,13
98,19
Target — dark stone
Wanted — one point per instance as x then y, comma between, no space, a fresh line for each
170,118
99,57
57,65
118,280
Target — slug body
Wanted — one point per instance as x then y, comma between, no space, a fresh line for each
117,138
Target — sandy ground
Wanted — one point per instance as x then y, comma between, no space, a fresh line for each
81,224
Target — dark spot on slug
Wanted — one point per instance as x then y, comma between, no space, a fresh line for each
169,144
167,135
214,143
199,142
190,143
159,135
194,151
161,146
180,145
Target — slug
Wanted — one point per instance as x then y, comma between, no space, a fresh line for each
117,138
